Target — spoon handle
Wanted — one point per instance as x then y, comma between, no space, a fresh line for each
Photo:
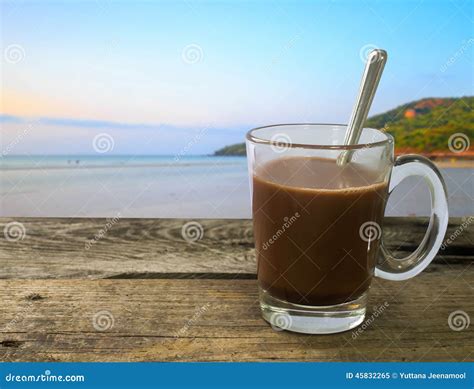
370,79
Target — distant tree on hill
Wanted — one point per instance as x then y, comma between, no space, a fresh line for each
421,126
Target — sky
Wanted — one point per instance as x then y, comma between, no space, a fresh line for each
163,76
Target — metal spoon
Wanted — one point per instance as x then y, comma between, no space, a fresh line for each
370,79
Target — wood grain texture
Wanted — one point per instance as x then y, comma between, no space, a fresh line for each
201,304
155,248
219,320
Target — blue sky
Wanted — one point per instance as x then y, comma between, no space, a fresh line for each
153,74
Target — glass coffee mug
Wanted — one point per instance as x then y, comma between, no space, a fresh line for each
318,222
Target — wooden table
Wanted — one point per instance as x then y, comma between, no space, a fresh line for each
143,293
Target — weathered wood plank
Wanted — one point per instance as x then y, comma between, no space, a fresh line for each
56,248
219,320
147,248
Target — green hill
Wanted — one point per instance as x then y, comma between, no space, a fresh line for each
426,125
237,149
422,126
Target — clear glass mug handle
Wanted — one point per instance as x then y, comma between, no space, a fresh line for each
398,269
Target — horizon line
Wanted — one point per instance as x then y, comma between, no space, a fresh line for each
105,124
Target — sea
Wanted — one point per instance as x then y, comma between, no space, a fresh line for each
170,187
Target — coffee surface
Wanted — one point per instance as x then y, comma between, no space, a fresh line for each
317,229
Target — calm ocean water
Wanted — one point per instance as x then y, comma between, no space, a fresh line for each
169,186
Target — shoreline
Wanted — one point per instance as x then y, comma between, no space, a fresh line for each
450,163
454,163
111,166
